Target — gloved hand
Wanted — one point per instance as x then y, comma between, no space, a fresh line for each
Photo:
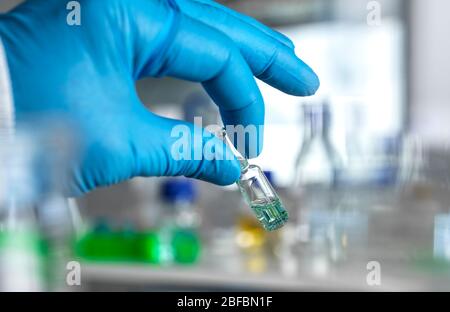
88,73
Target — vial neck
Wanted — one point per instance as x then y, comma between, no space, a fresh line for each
244,164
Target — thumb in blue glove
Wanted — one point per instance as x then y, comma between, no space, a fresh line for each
88,73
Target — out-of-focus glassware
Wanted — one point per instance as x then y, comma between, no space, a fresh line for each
318,197
318,161
21,265
412,162
35,222
316,168
357,166
105,244
441,248
174,239
179,235
257,191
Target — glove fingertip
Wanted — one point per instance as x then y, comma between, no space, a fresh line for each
220,172
230,173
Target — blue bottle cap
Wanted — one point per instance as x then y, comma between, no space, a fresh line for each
179,189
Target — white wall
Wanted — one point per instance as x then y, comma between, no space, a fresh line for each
430,88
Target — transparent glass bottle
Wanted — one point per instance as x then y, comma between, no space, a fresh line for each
257,191
316,170
318,162
20,241
35,225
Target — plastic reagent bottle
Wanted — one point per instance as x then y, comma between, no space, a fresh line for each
257,191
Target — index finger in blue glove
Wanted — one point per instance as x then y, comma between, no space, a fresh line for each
202,54
270,56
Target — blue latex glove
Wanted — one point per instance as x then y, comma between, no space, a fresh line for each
88,73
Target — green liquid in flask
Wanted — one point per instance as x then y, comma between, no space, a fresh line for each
257,191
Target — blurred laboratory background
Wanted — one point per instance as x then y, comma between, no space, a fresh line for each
363,168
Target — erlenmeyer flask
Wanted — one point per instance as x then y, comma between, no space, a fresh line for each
318,162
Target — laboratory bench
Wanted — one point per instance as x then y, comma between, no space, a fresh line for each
384,238
408,236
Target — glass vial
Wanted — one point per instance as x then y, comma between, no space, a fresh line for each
257,191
